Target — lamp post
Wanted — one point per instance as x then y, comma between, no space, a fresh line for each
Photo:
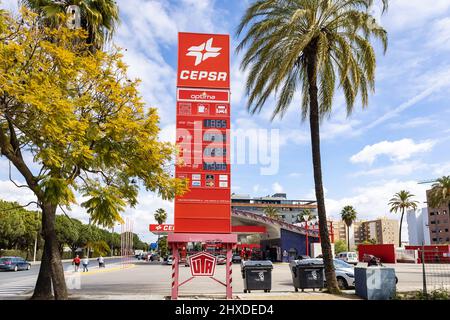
306,218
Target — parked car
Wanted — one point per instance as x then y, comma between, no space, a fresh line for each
154,257
168,260
221,259
14,264
349,257
236,258
345,274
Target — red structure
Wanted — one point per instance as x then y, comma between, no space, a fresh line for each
203,214
432,253
386,252
203,124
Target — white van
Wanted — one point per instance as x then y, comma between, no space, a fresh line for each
349,257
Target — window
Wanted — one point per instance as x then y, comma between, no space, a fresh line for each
434,239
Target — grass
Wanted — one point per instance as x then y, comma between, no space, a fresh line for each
439,294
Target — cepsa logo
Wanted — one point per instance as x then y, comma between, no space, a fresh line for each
203,60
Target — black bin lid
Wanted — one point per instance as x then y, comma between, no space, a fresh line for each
309,262
257,264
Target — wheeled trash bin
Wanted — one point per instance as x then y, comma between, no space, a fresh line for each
307,274
257,275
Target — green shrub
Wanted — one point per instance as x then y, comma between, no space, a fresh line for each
13,253
439,294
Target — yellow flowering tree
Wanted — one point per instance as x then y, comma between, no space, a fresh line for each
85,125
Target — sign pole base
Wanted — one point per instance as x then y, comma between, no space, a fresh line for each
175,240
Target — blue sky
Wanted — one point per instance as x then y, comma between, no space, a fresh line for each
401,138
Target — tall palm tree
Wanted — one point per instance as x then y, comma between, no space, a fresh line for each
316,46
99,18
348,215
160,217
271,212
440,193
305,213
402,201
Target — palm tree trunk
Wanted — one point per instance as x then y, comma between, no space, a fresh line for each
314,118
348,238
400,231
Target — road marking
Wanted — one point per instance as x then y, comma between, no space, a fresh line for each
13,290
96,271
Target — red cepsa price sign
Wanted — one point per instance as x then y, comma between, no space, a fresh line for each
203,126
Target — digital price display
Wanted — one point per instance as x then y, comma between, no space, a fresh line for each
215,152
216,124
214,137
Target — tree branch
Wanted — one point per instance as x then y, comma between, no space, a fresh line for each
10,178
21,207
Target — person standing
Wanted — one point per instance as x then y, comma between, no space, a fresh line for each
285,256
85,264
76,263
101,262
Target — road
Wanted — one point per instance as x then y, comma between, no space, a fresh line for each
147,280
14,283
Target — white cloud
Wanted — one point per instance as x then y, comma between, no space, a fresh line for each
399,169
413,123
277,187
294,175
442,169
439,34
413,14
396,150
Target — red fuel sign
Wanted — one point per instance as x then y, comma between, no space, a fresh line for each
162,227
203,124
203,264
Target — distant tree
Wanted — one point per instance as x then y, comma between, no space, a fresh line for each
163,246
12,226
160,217
402,201
440,193
306,212
271,212
348,215
340,246
67,232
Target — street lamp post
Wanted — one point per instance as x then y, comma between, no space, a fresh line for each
306,218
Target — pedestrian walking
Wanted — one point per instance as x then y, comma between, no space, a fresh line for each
285,256
101,262
85,263
76,263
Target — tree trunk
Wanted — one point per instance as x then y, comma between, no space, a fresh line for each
400,231
43,288
314,118
51,244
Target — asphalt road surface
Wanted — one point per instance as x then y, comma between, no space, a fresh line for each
15,283
150,280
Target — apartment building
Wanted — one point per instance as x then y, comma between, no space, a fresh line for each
381,230
439,223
